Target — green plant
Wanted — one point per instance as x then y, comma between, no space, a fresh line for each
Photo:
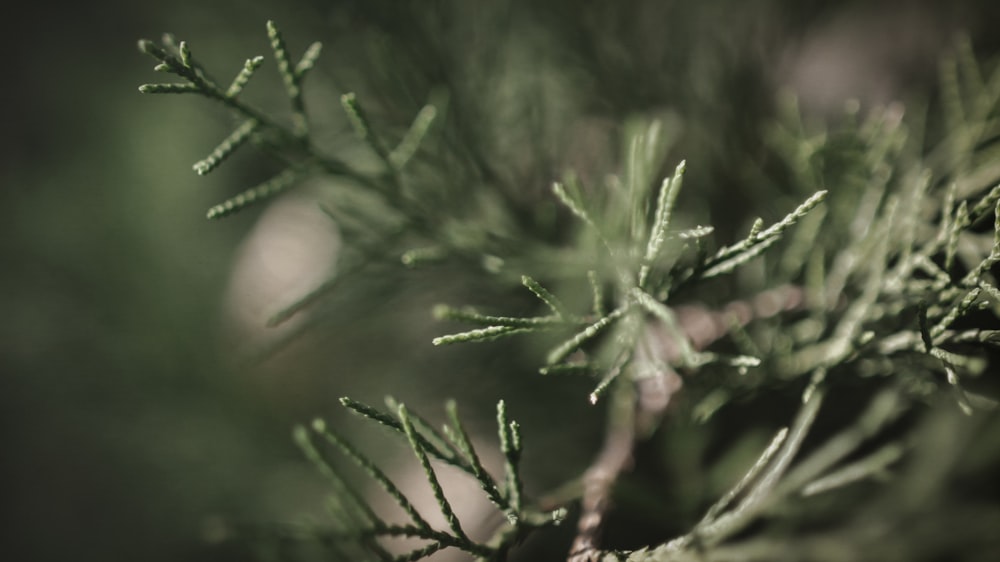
880,276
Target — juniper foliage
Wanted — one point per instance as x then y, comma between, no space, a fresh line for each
882,270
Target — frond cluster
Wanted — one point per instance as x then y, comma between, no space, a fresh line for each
914,259
891,249
908,253
644,275
359,527
372,208
914,262
254,125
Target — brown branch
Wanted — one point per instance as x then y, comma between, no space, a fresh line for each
615,457
655,384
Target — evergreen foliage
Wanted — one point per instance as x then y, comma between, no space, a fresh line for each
880,276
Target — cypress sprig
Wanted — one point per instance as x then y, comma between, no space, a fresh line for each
421,453
291,78
882,409
661,219
570,202
848,335
359,507
666,317
769,477
244,76
990,290
610,375
427,431
545,296
870,466
471,316
958,223
186,68
636,299
235,140
645,150
986,205
956,312
266,190
646,145
308,60
363,127
364,525
695,233
392,423
568,194
489,333
776,475
407,147
456,432
415,257
373,472
729,258
755,229
510,445
968,363
169,88
563,350
185,53
762,462
741,362
504,326
290,144
597,290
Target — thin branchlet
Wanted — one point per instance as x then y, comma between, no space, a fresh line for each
421,453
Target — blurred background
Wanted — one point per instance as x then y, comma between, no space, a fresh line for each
138,423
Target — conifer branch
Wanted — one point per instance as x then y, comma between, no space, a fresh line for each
386,420
363,127
661,220
373,471
266,190
169,89
598,293
563,350
545,296
427,430
244,76
883,301
294,139
471,316
460,438
341,488
291,76
235,139
362,524
418,449
731,257
510,446
489,333
757,495
407,147
308,60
